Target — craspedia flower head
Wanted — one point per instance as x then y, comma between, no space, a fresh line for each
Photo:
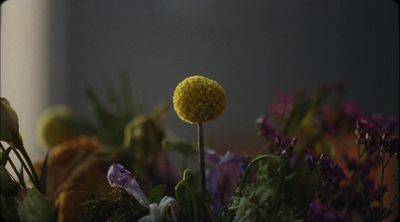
198,99
54,126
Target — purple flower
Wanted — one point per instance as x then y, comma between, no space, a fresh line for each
222,176
119,177
266,129
330,173
281,105
320,213
351,110
273,135
378,131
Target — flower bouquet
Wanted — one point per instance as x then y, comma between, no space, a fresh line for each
320,160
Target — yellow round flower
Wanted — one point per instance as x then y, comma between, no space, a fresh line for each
198,99
54,126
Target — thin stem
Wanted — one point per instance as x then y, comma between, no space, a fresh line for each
20,177
23,164
202,163
388,161
382,177
36,180
202,167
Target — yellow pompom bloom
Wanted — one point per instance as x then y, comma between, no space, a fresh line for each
54,126
198,99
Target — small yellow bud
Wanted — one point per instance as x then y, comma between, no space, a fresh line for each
198,99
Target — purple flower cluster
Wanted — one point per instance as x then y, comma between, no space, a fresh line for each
329,172
320,213
282,142
378,132
223,174
282,145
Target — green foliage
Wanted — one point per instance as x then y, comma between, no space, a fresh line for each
35,207
112,112
17,202
261,195
9,191
8,185
157,193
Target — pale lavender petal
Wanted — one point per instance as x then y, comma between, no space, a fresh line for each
119,177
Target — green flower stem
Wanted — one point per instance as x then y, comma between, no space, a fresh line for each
253,163
202,167
201,159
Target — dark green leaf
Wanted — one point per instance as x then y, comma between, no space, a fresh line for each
35,207
8,185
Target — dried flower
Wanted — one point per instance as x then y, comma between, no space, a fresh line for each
119,177
198,99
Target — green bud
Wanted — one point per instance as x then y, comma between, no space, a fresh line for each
9,130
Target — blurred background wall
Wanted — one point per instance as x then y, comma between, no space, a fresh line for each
52,49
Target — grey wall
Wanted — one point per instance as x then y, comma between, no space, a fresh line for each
253,48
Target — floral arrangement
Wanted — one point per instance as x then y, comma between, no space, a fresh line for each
320,160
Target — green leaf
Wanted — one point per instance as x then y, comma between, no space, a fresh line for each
8,185
186,198
9,130
8,208
34,207
101,111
